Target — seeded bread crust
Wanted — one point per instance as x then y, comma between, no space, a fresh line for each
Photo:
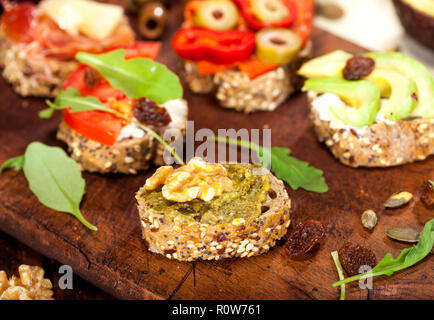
127,156
381,144
208,242
235,90
29,77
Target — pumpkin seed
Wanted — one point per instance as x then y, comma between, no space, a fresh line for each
369,219
398,199
404,234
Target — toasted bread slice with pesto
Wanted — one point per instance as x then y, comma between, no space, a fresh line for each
205,230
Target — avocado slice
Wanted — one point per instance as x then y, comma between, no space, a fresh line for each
362,96
400,102
329,65
415,71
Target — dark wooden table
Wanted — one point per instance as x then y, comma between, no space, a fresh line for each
14,253
116,260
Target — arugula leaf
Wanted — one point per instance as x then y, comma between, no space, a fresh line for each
72,99
55,179
338,265
17,163
296,173
137,77
408,257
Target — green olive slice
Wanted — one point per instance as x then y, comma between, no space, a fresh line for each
216,15
277,45
269,10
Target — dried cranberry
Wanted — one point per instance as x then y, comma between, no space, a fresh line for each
427,196
352,257
91,77
304,239
149,113
358,67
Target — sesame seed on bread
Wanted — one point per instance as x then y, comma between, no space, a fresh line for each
126,156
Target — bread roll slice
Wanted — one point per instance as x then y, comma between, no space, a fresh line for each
382,144
227,240
235,90
29,77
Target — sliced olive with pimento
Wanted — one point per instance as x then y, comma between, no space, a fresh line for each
270,10
261,14
216,15
277,45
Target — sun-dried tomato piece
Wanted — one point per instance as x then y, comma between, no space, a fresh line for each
304,239
353,256
148,112
427,196
358,67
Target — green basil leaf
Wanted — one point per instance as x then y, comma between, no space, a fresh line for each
137,78
72,99
17,163
407,258
55,179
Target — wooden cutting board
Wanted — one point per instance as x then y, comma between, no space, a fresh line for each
116,260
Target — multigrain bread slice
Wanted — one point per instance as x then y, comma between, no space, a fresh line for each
235,90
228,240
382,144
127,156
30,77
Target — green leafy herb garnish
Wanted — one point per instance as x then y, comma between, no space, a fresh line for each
432,182
408,257
17,163
338,265
54,178
297,173
71,99
138,77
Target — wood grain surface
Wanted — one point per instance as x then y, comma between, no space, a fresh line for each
116,260
14,253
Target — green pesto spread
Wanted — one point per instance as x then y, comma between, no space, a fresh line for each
244,201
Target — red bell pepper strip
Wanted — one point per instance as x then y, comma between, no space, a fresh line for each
255,67
142,49
220,47
304,20
257,24
205,68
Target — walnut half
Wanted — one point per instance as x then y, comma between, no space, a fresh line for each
31,285
197,179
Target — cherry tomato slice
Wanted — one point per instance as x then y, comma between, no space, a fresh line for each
102,90
99,126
